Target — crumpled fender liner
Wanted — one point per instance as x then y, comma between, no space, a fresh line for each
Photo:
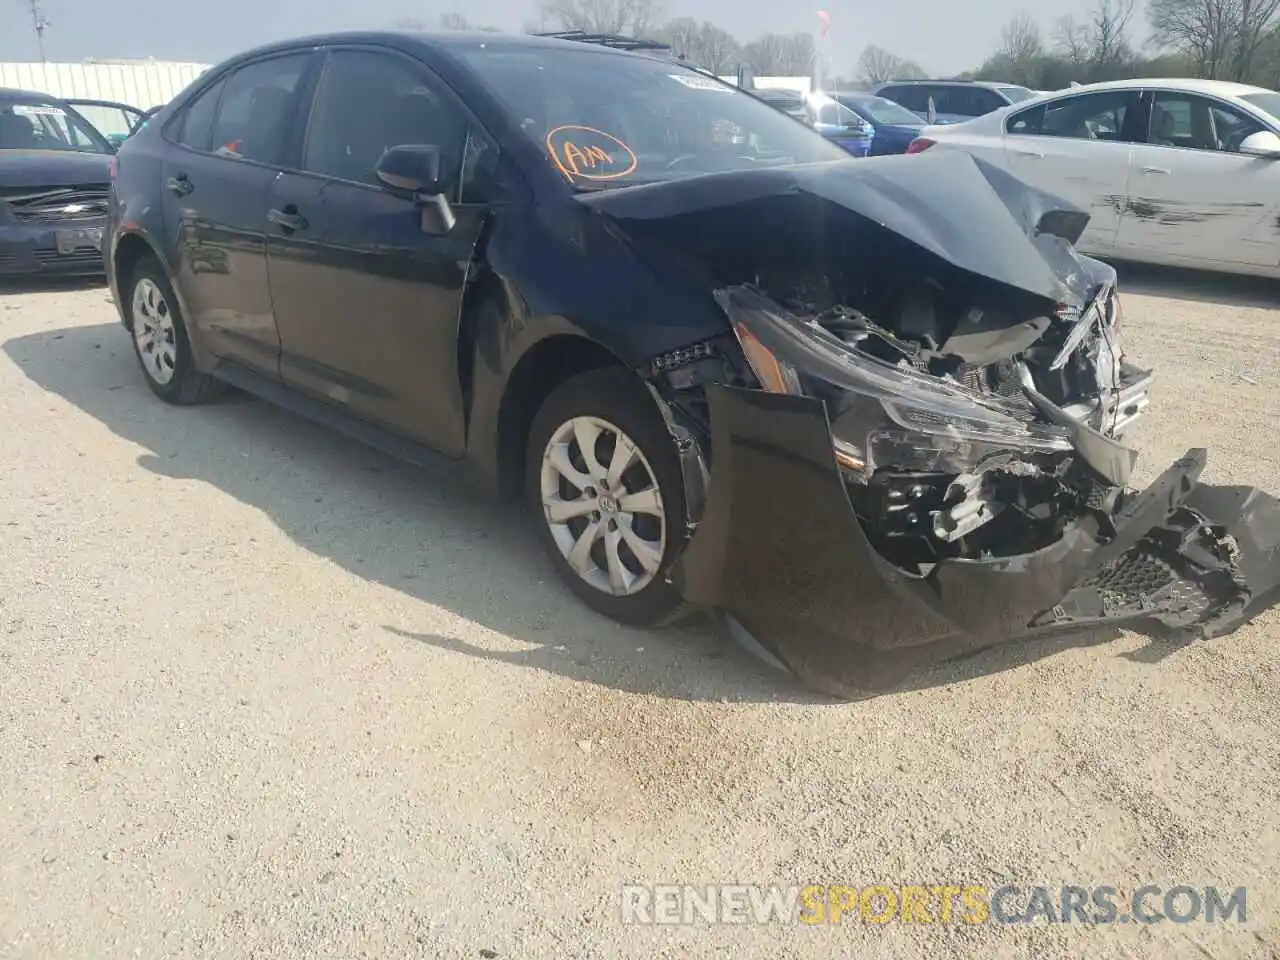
780,549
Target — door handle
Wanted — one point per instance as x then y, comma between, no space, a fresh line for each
1032,154
288,218
180,185
1158,170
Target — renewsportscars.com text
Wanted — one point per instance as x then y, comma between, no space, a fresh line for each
935,904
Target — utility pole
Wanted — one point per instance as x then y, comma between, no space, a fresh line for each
38,23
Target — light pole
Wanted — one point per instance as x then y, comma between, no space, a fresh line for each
38,23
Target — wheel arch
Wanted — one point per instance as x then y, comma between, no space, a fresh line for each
540,370
130,249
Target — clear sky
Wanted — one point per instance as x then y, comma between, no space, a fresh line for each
944,37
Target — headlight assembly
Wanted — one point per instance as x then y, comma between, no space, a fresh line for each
881,414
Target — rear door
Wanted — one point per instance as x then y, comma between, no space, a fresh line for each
215,187
1194,195
366,302
1081,148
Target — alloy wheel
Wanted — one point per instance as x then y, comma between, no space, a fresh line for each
602,504
153,331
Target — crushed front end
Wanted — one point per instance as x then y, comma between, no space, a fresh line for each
914,462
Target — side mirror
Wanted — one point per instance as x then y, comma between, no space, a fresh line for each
415,169
746,76
1264,143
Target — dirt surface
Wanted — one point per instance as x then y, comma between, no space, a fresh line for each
266,693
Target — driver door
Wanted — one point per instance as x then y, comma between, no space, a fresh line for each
367,303
1193,195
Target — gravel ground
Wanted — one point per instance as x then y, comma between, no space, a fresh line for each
265,693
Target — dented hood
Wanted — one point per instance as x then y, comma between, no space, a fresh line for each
937,202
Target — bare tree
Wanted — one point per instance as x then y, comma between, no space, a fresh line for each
1109,22
685,36
876,65
720,52
799,55
1071,41
457,21
1098,46
635,18
1202,29
767,54
1020,40
702,42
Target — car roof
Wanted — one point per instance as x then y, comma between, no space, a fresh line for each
1221,88
985,84
12,93
444,40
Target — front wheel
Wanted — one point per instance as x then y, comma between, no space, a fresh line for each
604,480
160,339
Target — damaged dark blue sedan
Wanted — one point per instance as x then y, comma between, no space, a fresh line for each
874,411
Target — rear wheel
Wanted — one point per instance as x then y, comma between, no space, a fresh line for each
604,480
160,339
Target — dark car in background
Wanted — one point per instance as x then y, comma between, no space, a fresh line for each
893,126
952,101
114,120
827,117
871,410
54,177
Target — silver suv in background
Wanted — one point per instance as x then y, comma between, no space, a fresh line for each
952,100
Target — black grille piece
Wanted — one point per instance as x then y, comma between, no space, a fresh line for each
58,204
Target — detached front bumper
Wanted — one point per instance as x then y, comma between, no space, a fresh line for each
778,546
52,249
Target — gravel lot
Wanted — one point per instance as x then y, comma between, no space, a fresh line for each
265,693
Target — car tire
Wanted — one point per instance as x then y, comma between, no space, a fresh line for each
160,342
622,573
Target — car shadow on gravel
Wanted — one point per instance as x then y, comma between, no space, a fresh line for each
1198,286
421,534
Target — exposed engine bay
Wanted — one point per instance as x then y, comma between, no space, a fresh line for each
916,428
944,494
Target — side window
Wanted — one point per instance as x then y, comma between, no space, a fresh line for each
370,101
257,107
1027,122
1196,123
1109,115
195,128
1230,127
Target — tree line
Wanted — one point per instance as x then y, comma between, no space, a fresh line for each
1215,39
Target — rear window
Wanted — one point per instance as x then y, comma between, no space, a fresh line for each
912,96
1016,94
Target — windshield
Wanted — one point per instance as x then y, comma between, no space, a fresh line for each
1268,102
605,119
881,110
42,125
1016,94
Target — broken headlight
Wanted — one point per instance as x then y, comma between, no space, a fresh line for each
882,414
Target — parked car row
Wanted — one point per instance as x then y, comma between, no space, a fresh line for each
1177,172
873,411
886,121
55,161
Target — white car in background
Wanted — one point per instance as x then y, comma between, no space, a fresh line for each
1175,172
